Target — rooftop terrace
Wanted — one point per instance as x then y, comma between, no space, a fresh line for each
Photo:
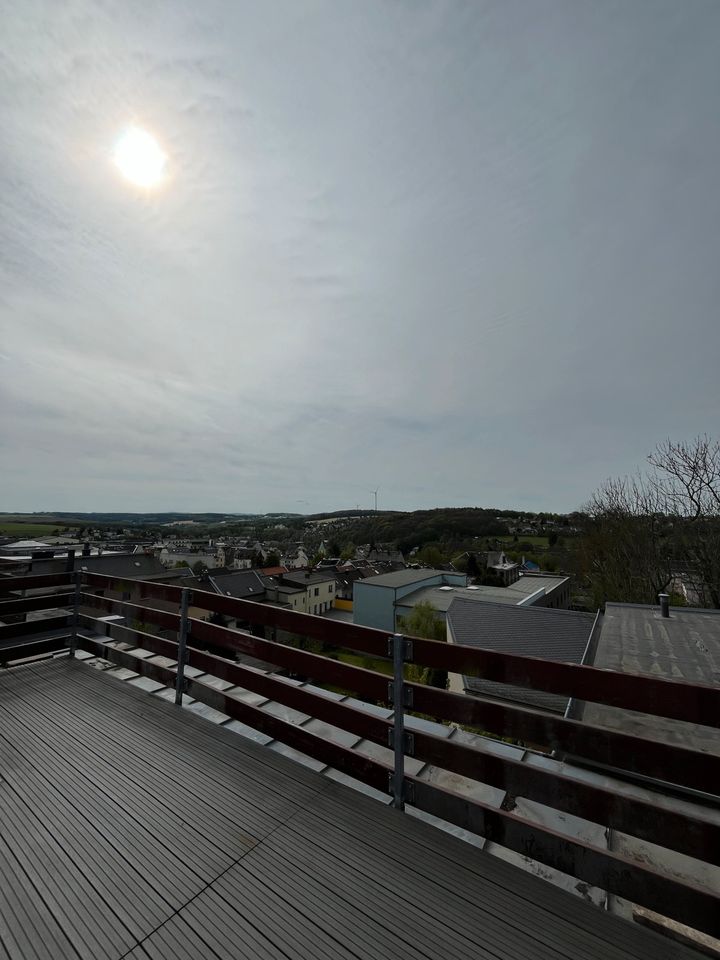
132,828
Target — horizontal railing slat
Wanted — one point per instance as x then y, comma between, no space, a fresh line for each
656,759
33,648
349,635
9,608
605,869
674,699
685,833
314,666
348,761
360,722
689,904
35,582
9,631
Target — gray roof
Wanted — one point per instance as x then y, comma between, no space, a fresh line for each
401,578
131,565
302,578
517,593
244,584
635,638
527,631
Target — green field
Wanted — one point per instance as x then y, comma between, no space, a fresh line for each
535,541
27,531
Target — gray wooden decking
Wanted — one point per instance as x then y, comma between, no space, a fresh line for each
129,828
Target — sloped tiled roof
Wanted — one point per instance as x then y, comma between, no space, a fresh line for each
527,631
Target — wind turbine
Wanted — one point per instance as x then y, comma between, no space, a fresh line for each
375,493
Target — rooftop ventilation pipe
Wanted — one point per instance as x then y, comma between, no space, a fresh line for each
664,599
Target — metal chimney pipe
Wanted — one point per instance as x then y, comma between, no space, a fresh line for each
70,561
664,599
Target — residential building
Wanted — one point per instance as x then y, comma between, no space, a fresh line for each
306,591
505,570
296,559
375,599
243,584
379,601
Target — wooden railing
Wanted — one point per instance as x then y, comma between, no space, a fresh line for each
649,816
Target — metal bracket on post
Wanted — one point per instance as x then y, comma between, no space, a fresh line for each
182,646
401,650
75,614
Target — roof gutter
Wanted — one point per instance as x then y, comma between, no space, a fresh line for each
525,602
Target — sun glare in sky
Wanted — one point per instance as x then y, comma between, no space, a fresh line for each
139,158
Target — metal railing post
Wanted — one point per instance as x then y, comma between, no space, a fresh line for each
75,614
400,651
182,646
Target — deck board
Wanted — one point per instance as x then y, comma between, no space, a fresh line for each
135,830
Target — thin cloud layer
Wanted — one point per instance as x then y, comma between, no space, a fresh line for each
466,253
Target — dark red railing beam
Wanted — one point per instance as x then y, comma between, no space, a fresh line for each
10,631
348,635
686,833
10,608
674,699
34,648
620,875
689,904
361,722
349,761
655,759
37,582
323,669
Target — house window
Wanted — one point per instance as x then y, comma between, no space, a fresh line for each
317,591
330,588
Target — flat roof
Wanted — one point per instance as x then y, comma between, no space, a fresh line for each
635,638
515,594
401,578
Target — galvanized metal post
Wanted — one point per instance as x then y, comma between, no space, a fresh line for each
182,646
398,792
75,614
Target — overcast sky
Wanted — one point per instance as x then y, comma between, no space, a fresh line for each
467,253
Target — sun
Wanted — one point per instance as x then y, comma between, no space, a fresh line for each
139,157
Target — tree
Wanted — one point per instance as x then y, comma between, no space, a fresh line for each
348,551
686,477
645,533
627,554
473,567
422,622
257,560
430,556
272,559
200,568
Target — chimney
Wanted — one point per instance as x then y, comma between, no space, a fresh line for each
86,549
664,599
70,561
